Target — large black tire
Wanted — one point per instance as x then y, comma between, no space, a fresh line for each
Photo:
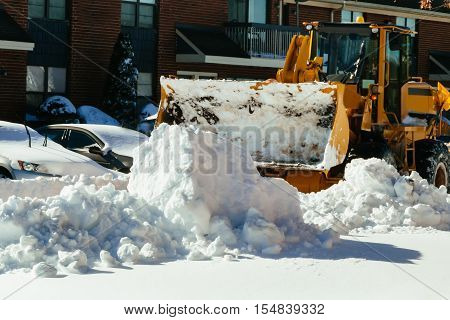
366,150
373,149
433,162
4,174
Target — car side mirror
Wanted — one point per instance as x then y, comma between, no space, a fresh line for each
95,150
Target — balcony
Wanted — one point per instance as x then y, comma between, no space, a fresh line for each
242,44
262,40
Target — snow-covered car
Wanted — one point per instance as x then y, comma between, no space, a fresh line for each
109,146
24,153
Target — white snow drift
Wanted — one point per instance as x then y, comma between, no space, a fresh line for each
194,195
191,196
47,187
374,196
211,186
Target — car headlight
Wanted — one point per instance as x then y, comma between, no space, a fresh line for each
28,166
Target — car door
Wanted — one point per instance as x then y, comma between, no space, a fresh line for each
80,142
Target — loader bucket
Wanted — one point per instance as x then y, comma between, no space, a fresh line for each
303,124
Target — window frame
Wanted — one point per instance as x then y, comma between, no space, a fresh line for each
137,4
143,84
405,24
47,11
353,15
247,12
45,93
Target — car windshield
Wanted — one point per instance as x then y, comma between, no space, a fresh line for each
348,57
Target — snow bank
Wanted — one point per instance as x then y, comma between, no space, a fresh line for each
191,196
264,119
92,115
211,186
43,187
375,197
70,231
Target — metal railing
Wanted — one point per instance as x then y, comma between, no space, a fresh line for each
262,40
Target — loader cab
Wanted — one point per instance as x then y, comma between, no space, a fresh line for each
364,54
396,62
349,52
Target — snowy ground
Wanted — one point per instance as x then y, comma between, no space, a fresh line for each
196,220
371,266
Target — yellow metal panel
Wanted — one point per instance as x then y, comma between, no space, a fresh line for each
383,74
340,135
417,97
443,97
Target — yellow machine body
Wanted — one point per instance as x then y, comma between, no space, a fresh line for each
355,113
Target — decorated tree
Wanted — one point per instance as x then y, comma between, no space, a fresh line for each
121,90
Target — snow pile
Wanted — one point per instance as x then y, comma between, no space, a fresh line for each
264,118
57,106
92,115
43,187
211,187
375,197
72,230
191,195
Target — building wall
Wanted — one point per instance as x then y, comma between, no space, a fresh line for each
432,36
93,33
210,13
377,18
13,85
213,13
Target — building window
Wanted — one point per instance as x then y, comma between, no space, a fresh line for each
43,82
196,75
144,88
247,11
406,22
138,13
50,9
145,83
350,16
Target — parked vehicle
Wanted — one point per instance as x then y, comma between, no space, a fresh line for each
24,153
109,146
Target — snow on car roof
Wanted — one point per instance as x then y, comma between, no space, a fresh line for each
121,140
16,133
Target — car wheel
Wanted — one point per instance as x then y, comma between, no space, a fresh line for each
4,174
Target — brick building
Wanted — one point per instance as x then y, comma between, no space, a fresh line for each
64,46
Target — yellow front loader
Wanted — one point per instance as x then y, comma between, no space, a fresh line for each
345,92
